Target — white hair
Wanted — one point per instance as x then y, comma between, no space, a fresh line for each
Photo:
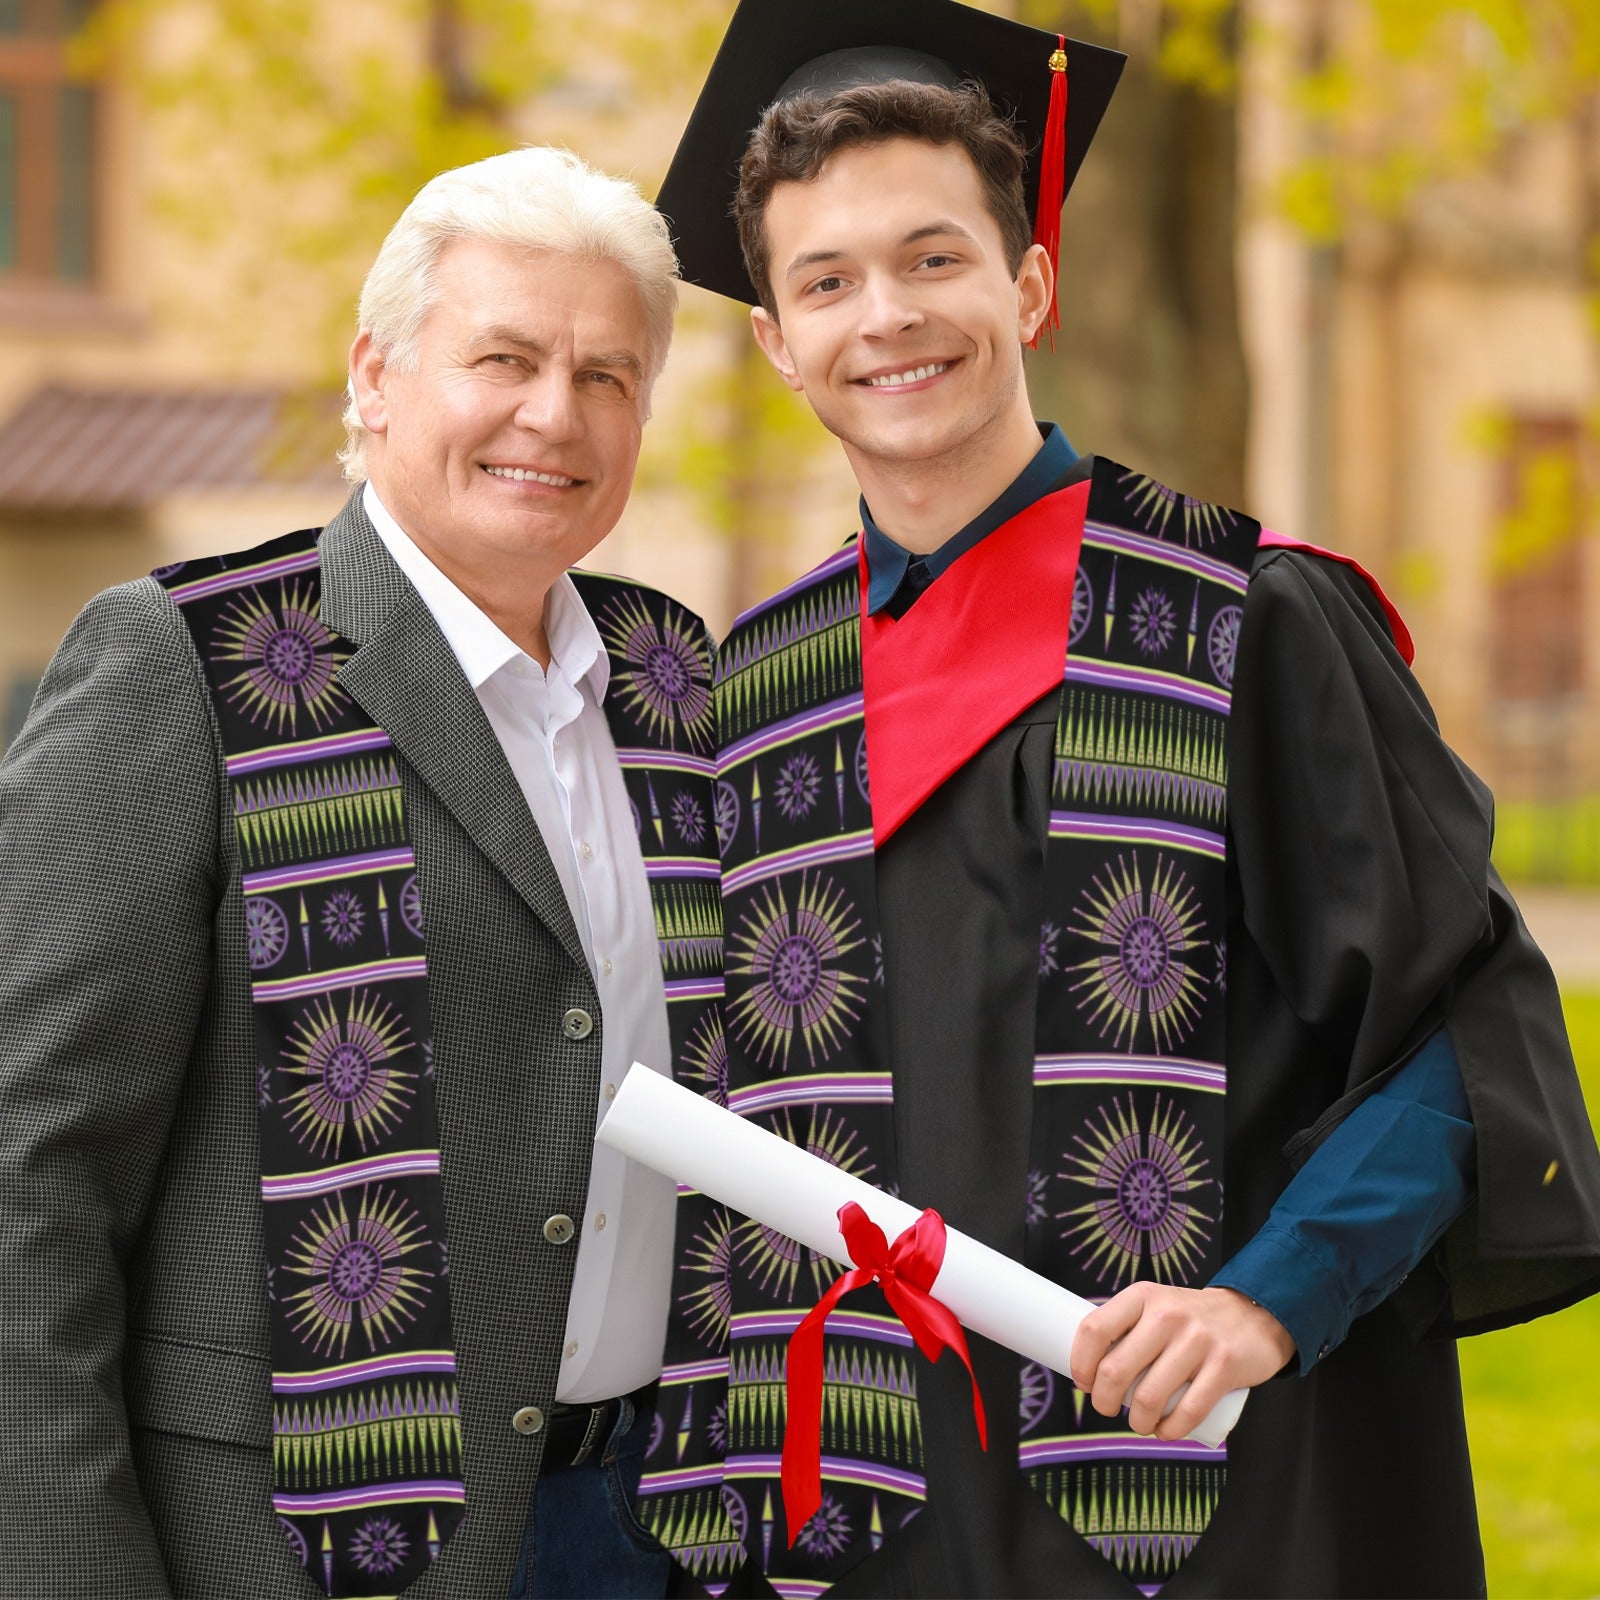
537,197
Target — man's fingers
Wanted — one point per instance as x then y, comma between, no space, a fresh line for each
1160,1338
1206,1388
1176,1365
1125,1360
1100,1330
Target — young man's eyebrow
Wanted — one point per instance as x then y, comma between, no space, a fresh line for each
941,228
811,258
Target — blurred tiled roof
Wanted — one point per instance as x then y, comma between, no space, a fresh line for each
88,450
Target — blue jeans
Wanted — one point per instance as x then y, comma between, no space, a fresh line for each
583,1540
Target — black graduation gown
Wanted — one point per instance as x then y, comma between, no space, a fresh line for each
1362,912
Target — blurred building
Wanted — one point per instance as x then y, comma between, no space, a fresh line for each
1426,396
160,401
121,446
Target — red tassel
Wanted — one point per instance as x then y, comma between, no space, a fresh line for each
1052,183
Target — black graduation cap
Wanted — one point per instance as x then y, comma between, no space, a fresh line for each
777,48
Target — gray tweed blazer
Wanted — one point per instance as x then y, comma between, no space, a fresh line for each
134,1368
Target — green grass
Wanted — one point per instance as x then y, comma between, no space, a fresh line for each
1548,841
1533,1415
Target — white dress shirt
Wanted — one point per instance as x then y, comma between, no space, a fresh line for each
555,736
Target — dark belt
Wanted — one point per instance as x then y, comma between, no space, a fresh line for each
574,1433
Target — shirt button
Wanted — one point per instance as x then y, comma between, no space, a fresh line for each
577,1023
606,967
611,1091
530,1419
571,1350
600,1223
588,850
559,1229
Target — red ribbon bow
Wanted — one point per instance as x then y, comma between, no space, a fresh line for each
906,1269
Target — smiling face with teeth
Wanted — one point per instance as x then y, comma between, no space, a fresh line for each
507,449
900,320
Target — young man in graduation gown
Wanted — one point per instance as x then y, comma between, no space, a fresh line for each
1087,856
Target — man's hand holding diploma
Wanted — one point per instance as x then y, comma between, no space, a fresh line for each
1215,1340
671,1129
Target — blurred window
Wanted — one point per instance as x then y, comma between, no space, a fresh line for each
48,126
1538,590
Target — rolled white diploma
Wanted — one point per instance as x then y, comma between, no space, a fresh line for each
681,1134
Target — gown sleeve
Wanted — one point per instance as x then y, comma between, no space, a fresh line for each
1361,844
1368,1205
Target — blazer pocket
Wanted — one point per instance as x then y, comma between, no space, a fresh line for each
173,1386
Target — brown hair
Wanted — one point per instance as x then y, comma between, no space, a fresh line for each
796,137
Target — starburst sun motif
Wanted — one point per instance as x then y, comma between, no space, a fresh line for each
705,1054
356,1272
659,672
773,1259
1147,1176
828,1532
791,972
287,658
1142,971
1152,501
345,1072
706,1269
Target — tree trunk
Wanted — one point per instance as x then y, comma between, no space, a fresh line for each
1148,366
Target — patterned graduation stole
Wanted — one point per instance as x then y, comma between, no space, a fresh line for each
1125,1175
367,1449
794,824
659,710
1126,1162
366,1425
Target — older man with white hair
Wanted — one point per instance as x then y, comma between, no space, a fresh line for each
340,879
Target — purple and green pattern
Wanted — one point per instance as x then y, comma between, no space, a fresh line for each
659,709
1130,1075
804,1055
1125,1176
366,1421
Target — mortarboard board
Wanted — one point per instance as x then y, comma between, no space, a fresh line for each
777,48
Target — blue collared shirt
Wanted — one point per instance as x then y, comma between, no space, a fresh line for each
895,574
1379,1192
1368,1205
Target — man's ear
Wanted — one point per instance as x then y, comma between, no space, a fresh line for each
774,347
1036,282
368,370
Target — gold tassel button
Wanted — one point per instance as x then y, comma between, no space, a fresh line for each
1058,62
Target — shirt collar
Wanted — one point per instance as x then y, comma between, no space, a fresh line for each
888,562
476,640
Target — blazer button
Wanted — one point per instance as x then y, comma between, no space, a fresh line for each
530,1419
559,1229
577,1024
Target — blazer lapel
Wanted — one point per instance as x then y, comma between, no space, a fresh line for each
405,676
